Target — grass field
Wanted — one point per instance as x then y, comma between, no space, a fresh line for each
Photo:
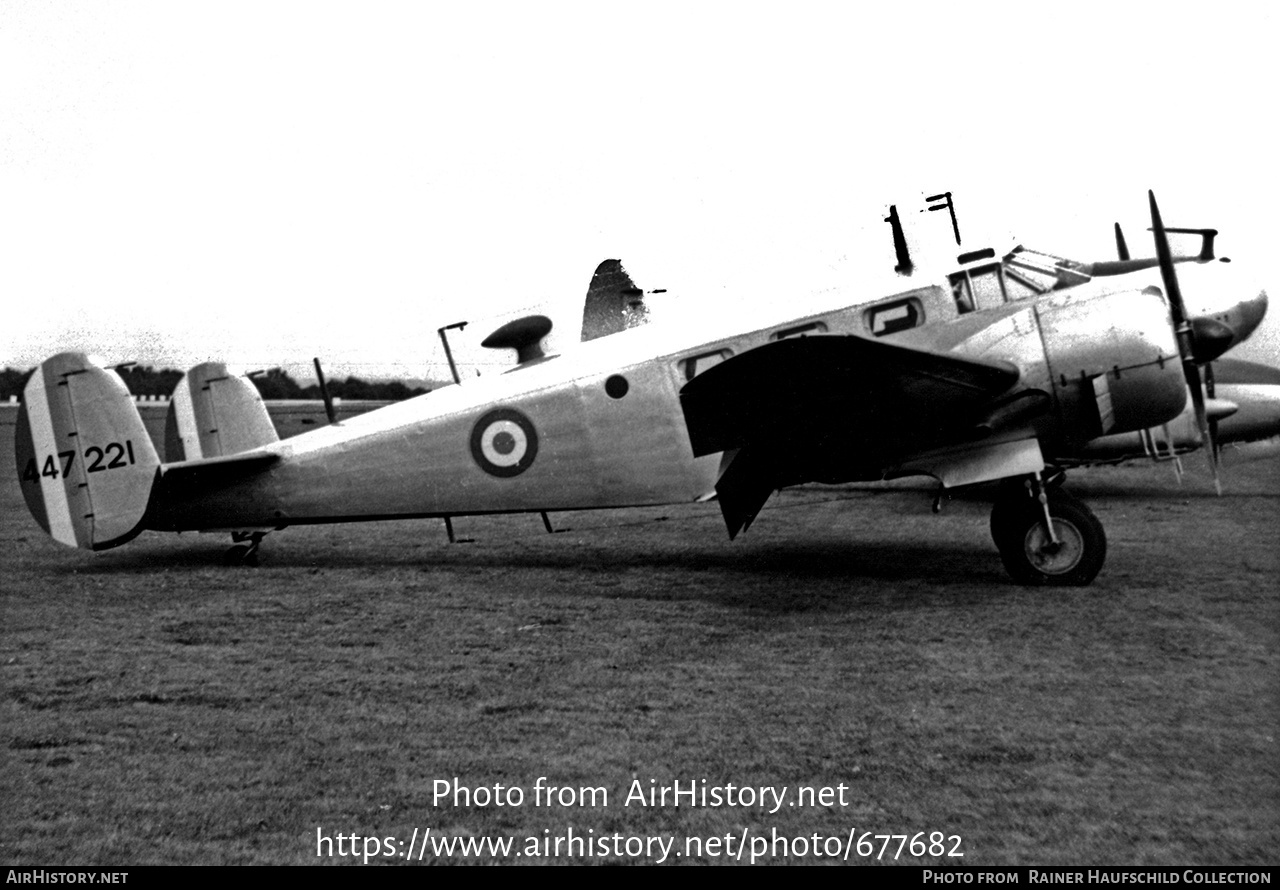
160,708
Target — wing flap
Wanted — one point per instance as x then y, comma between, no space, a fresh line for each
813,408
743,488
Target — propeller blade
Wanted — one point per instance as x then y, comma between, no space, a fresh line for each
1186,336
1210,389
1167,272
1122,249
1197,400
1202,423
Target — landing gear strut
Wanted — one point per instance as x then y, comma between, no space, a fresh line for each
1045,535
244,552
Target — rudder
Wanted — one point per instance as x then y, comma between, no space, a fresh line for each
85,462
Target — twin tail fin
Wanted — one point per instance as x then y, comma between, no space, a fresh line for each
85,462
215,414
87,465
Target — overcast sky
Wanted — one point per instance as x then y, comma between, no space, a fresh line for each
263,182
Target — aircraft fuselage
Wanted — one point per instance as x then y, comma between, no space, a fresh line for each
603,426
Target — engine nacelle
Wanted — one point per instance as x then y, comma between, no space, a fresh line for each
1113,361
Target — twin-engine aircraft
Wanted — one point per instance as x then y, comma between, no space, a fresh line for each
987,375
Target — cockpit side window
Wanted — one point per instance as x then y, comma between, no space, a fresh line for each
981,287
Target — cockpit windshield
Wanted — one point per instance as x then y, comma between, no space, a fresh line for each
1045,271
985,282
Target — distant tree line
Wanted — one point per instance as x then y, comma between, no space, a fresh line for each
277,384
144,381
274,384
12,382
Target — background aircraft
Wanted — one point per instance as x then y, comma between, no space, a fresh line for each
1243,407
926,380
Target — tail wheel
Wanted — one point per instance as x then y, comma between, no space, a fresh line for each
244,552
1029,554
240,555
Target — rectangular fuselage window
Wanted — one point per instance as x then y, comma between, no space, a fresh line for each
800,330
889,318
694,366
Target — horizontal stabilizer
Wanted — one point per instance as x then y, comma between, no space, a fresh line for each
213,413
190,477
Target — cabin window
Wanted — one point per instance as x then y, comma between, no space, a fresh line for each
800,330
889,318
692,367
616,386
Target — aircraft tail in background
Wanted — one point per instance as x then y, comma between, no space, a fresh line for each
613,303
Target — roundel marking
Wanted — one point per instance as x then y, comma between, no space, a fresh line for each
504,442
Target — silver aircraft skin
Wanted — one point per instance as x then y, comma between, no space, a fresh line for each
966,380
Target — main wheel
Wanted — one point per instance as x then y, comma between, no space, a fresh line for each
1028,553
1012,501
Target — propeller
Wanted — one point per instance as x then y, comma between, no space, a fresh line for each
1210,389
1122,249
1189,338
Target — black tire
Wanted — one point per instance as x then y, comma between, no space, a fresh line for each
235,555
1017,525
1011,501
1014,496
240,555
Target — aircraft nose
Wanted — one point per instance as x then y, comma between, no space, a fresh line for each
1249,315
1223,296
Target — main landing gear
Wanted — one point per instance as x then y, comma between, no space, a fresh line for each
1045,535
244,552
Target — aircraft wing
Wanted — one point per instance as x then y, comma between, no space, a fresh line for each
830,408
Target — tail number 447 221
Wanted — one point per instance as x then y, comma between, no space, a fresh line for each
112,456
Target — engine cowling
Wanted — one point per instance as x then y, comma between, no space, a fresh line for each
1113,361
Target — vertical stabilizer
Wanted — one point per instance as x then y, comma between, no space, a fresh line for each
613,302
85,462
213,414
